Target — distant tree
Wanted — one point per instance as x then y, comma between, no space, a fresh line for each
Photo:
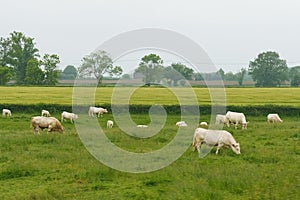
178,71
126,77
198,77
294,74
70,70
19,51
268,69
229,76
34,74
240,76
295,80
50,63
69,73
97,64
4,51
6,74
151,67
221,73
116,71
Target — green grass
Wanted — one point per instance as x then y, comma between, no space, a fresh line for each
58,166
149,96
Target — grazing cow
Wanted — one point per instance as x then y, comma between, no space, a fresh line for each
181,123
45,113
99,111
221,119
51,123
236,118
109,124
217,138
67,115
274,118
6,113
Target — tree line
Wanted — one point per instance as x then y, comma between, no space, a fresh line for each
20,61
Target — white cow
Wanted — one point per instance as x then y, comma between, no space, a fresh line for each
142,126
217,138
51,123
45,113
109,123
67,115
6,113
95,110
274,118
236,118
221,119
181,123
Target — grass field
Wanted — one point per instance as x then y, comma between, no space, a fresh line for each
58,166
234,96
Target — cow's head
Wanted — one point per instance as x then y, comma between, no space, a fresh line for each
105,110
236,148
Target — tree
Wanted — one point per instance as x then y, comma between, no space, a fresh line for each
4,49
70,73
221,73
5,74
268,69
240,76
178,71
294,75
19,51
126,77
34,74
50,64
151,67
97,64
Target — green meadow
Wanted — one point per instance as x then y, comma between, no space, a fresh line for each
58,166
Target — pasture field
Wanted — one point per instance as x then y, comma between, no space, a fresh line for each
58,166
151,95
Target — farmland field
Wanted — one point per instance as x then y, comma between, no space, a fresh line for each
234,96
58,166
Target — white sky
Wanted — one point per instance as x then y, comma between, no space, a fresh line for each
232,32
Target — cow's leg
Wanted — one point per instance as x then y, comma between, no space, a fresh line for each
218,147
236,125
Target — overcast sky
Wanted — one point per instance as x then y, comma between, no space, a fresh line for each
232,32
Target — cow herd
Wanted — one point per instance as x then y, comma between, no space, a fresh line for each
53,124
222,138
201,136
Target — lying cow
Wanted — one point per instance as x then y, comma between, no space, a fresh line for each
236,118
217,138
109,124
45,113
181,123
274,118
67,115
51,123
95,110
6,113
